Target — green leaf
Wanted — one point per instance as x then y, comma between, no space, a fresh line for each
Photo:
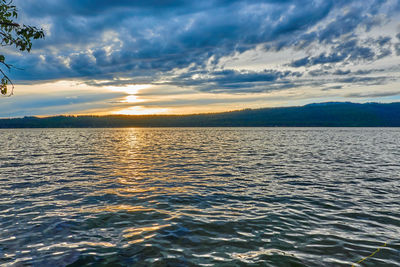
12,34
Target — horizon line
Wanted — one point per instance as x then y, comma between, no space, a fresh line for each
192,114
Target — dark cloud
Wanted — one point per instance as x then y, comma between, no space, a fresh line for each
342,72
383,40
230,81
235,81
397,49
367,71
374,94
365,80
336,87
147,41
349,51
318,72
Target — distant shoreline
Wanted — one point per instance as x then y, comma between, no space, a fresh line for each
329,114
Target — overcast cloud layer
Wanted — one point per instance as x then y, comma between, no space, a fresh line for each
216,47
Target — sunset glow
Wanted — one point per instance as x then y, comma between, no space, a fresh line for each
141,111
129,89
197,58
199,133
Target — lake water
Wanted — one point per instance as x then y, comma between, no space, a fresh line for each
200,197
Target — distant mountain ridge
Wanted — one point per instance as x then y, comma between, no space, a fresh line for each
327,114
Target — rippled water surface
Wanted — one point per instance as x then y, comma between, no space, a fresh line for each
200,197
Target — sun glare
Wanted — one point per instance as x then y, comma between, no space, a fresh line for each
141,111
131,99
129,89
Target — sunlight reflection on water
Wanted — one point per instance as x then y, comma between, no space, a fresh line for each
199,196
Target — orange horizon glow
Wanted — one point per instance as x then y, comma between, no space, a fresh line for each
152,99
138,110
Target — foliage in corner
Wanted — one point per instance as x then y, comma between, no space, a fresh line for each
13,34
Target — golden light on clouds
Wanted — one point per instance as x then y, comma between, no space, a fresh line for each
138,110
129,89
132,99
132,90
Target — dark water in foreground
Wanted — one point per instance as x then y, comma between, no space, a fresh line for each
199,197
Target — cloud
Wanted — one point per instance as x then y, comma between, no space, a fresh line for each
365,80
397,49
349,51
342,72
322,44
373,94
97,39
337,87
235,81
58,103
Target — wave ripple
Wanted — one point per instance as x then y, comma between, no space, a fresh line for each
199,197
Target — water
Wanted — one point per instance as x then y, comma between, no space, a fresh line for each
200,197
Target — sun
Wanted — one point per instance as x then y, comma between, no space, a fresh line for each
131,97
131,89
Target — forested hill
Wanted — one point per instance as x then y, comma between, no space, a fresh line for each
331,114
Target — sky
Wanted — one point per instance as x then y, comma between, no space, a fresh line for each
184,56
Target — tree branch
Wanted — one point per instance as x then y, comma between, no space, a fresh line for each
9,24
9,80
